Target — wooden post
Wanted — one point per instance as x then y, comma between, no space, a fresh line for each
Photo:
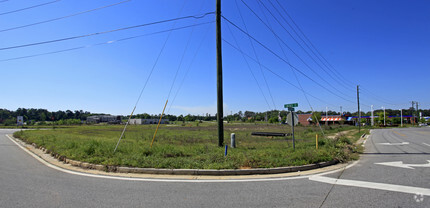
219,75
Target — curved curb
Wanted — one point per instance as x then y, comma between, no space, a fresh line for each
194,172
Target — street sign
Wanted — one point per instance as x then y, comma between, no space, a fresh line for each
290,119
290,109
291,105
19,120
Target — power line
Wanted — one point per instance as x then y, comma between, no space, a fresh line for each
271,51
307,65
31,7
307,46
182,57
274,73
249,67
295,75
256,56
109,31
310,42
64,17
188,69
103,43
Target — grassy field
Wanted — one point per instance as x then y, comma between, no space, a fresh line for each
194,145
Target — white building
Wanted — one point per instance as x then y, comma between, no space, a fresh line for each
140,121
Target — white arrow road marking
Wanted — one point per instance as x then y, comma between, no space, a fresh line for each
372,185
394,144
401,165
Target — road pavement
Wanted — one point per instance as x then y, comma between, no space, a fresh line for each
370,182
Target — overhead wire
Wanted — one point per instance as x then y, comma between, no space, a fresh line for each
307,65
337,79
182,57
274,73
63,17
147,80
310,42
188,70
31,7
295,75
108,31
103,43
282,59
256,56
249,68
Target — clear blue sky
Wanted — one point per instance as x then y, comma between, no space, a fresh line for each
383,46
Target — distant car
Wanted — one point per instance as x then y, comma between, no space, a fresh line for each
422,124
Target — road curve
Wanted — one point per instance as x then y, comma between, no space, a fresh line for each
25,182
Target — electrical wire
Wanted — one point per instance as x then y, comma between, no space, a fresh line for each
307,65
249,67
256,56
31,7
108,31
338,79
103,43
312,45
282,59
188,70
295,75
277,75
63,17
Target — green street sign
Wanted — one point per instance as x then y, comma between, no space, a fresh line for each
290,109
291,105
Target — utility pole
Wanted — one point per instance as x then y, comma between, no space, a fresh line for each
340,110
401,117
417,112
326,116
359,113
413,118
219,75
384,115
371,110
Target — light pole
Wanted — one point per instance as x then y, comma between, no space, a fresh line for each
326,116
384,115
401,117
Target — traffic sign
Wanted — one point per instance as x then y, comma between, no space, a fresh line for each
291,105
290,119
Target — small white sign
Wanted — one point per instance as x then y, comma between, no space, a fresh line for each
19,120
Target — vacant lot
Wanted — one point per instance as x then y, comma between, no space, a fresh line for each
194,145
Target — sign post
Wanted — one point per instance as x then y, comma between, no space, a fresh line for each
19,120
291,107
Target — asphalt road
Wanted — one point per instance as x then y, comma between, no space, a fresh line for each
26,182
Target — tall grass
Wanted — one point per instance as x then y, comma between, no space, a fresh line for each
189,146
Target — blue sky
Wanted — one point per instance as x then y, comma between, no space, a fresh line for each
383,46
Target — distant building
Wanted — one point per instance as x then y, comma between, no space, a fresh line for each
305,119
104,119
140,121
332,119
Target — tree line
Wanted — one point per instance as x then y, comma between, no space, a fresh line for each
32,115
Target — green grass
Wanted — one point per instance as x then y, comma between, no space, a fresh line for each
193,145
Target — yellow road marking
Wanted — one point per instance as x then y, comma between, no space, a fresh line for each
399,133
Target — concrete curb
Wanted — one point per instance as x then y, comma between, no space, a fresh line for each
195,172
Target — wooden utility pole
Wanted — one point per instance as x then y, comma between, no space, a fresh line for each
219,75
359,113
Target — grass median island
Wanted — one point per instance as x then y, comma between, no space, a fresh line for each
194,146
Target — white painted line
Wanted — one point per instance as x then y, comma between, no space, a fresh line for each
394,144
151,179
426,144
372,185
